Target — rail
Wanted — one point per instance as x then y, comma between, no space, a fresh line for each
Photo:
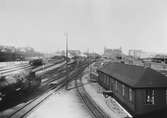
93,108
30,106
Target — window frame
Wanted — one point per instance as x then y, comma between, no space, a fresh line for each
130,94
116,85
150,96
166,95
123,90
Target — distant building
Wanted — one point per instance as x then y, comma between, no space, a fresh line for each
160,58
133,61
83,55
135,53
74,53
113,53
60,53
139,89
71,53
140,54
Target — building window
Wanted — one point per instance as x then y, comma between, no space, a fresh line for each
111,83
104,78
123,90
116,85
107,81
130,94
150,93
166,95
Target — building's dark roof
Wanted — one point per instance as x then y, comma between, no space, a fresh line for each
135,76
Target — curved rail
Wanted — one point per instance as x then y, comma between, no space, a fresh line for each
93,108
30,106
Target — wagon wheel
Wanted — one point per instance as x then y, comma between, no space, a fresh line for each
106,96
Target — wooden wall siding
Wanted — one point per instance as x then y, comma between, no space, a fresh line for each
138,103
109,83
142,107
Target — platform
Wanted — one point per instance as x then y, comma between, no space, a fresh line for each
63,104
109,105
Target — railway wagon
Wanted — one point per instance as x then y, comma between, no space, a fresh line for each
36,62
71,64
142,91
18,83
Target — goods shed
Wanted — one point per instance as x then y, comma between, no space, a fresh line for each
140,90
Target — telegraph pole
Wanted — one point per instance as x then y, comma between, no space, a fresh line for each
66,34
66,55
89,63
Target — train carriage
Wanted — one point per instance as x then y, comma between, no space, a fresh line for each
36,62
22,82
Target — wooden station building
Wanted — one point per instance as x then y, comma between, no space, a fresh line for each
140,90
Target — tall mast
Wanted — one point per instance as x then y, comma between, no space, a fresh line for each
66,36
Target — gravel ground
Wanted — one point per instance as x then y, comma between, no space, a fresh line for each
63,104
109,105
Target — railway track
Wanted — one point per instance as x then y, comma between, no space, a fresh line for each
92,107
56,74
12,66
30,106
49,70
47,65
15,70
20,67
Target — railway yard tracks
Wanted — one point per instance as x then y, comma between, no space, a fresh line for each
9,70
33,104
93,108
57,74
25,107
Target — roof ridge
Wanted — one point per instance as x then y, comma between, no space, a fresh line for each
135,76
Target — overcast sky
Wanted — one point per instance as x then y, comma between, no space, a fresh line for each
131,24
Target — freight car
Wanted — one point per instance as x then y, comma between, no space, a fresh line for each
18,83
36,62
71,64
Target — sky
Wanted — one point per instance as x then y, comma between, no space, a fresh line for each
91,24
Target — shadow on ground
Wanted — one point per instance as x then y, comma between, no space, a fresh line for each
16,99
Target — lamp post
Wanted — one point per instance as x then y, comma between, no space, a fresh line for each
89,63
